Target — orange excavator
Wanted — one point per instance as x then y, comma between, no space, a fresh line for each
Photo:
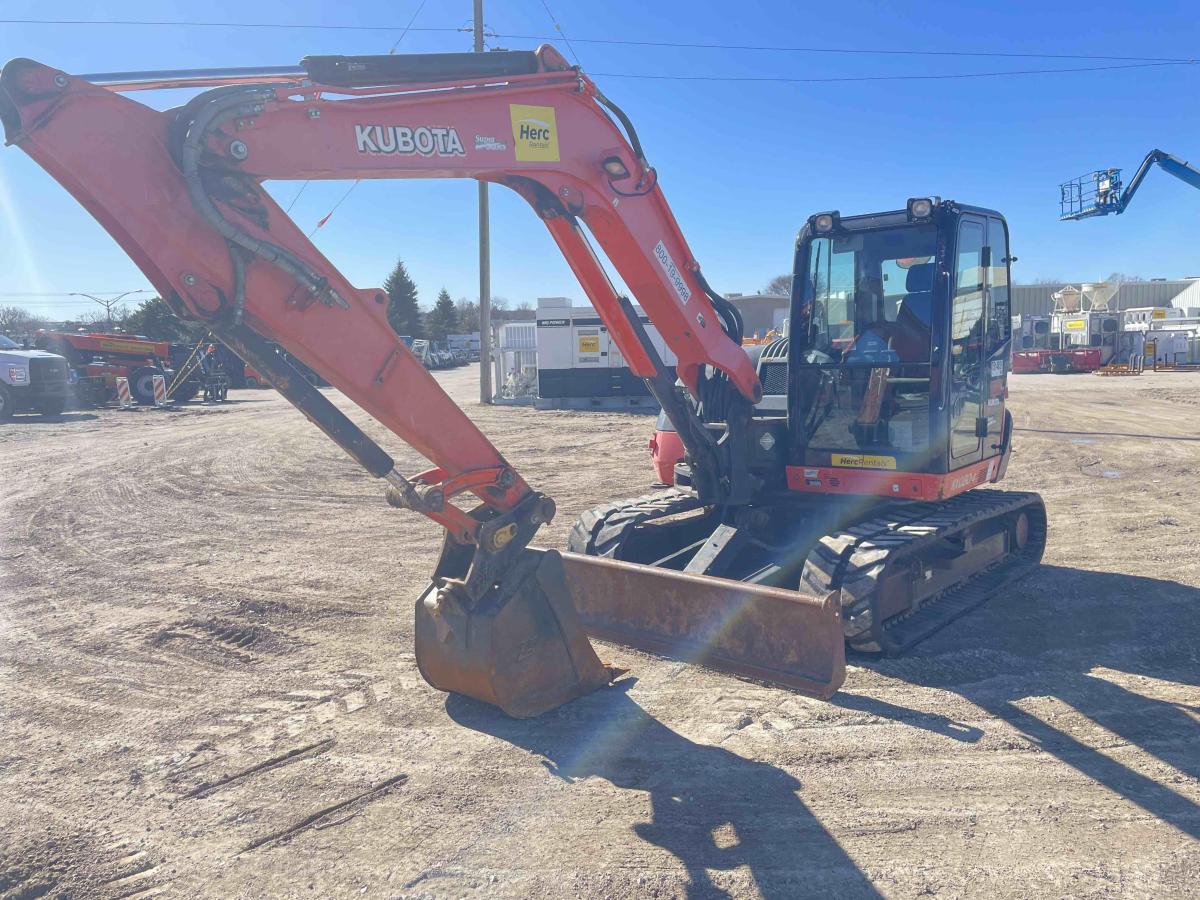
784,537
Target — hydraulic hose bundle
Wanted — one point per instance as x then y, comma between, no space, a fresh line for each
188,137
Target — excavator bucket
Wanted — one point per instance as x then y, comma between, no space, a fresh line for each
783,637
521,648
525,648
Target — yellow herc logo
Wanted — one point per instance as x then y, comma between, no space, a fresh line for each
535,134
862,461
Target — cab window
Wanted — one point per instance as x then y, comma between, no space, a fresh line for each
966,320
869,295
999,322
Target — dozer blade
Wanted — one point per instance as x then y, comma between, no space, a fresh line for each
522,648
767,634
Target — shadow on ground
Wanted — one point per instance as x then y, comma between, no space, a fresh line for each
1053,635
1060,633
712,809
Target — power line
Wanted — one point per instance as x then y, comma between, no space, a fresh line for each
156,23
676,45
297,197
865,51
317,227
327,215
408,27
562,33
61,299
783,79
57,305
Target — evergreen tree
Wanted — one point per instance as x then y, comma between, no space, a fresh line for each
443,319
154,319
468,315
403,313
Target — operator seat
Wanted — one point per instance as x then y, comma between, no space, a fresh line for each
916,309
914,315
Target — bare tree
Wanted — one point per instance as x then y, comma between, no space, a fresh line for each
100,321
1122,278
780,284
18,320
523,311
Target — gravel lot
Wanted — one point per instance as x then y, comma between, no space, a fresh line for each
207,685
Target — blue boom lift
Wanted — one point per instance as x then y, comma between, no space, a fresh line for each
1100,193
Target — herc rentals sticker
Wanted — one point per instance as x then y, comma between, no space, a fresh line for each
862,461
401,139
668,266
535,134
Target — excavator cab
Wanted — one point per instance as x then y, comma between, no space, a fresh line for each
895,370
898,356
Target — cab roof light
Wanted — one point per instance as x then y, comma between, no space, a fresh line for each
826,222
920,209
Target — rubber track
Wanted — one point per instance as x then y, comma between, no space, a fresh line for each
854,561
601,530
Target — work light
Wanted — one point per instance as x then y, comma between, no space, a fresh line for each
824,223
615,168
920,209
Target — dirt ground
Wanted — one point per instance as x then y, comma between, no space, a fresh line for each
207,685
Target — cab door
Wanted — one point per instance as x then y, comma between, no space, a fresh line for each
969,376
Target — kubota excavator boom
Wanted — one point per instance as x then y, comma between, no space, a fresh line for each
181,192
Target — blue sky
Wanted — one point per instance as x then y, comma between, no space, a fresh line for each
743,164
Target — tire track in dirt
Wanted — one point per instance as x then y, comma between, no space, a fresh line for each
991,762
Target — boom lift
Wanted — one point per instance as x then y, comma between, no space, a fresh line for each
1100,193
181,191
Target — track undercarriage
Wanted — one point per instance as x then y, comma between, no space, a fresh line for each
902,570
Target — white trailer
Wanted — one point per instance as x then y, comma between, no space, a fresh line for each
578,362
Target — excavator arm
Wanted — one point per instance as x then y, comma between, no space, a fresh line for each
181,191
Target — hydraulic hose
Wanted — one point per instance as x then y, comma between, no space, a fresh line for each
627,124
242,102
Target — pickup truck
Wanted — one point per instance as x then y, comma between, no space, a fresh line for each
31,380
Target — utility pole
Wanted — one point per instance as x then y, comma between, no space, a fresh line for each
485,261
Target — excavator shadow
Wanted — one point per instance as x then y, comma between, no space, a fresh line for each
712,810
1077,637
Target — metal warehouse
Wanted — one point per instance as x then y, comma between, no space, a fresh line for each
1183,293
